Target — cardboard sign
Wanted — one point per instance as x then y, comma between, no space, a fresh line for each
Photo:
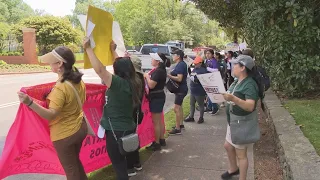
100,22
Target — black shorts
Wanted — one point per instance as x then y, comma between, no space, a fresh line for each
178,100
156,105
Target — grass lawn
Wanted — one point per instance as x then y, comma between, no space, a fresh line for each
307,115
107,173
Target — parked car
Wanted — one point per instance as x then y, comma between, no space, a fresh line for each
146,49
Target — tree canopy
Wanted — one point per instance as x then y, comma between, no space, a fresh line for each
157,21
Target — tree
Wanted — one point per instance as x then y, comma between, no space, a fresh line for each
50,31
227,12
12,11
4,30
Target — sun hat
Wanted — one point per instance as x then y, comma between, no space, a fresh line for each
52,57
156,57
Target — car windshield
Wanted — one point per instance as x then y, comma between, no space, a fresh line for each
155,49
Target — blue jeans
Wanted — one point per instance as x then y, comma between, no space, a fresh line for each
211,105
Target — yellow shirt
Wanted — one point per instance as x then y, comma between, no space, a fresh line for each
63,99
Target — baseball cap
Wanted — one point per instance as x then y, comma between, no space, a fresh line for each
136,63
52,57
156,57
178,52
245,60
197,60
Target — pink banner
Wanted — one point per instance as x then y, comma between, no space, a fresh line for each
28,148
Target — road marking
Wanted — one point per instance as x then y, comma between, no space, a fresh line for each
9,104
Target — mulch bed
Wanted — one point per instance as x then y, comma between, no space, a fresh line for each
266,160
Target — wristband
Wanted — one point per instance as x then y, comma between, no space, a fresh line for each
30,103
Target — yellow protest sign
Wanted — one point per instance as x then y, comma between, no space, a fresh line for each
101,35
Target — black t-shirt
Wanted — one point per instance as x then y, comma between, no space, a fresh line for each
160,76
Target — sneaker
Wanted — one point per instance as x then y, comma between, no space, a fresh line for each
201,120
189,119
181,127
228,175
131,172
154,147
215,111
175,132
222,105
163,142
137,167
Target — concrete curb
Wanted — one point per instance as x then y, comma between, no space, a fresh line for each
14,73
298,157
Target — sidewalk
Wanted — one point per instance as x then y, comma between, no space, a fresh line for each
197,154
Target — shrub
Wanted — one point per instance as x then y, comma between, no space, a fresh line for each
2,62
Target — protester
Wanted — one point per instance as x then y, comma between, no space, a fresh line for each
133,159
241,98
212,65
179,74
67,126
156,81
123,95
229,75
198,94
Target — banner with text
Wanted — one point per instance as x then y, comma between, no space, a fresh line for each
28,148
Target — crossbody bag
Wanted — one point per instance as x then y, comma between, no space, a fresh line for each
90,130
244,129
128,143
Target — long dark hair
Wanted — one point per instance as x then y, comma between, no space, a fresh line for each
166,62
124,68
254,74
70,73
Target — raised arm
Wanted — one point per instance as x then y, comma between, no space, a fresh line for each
98,67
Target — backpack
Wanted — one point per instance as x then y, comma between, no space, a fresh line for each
262,79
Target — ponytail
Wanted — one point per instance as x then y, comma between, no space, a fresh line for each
166,62
73,75
70,72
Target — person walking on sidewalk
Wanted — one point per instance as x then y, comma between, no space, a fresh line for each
67,127
156,81
241,97
198,94
123,95
179,74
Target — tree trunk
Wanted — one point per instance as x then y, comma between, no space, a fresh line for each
235,37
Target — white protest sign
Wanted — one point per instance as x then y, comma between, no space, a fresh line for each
213,85
89,27
118,39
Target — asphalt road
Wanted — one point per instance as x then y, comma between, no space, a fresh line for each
10,84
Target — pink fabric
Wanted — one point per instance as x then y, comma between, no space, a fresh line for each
28,148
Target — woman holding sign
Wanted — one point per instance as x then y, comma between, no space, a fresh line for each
198,94
243,127
66,122
123,95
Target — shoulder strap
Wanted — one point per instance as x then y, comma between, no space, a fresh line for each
75,92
